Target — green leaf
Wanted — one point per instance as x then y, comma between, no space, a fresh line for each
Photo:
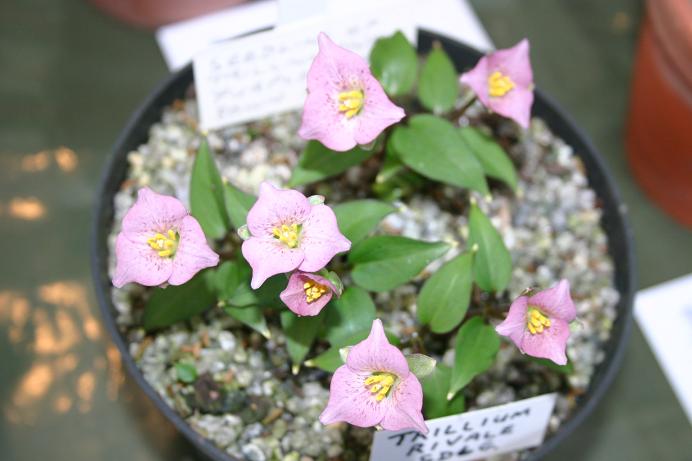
435,390
433,147
180,302
394,62
353,312
492,267
251,316
420,365
566,369
233,286
300,334
438,87
238,203
317,163
360,217
186,372
474,352
490,154
384,262
330,359
207,203
444,299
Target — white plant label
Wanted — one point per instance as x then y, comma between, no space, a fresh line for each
265,73
471,435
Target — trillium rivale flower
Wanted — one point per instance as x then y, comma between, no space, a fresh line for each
539,324
346,105
503,81
375,388
160,242
306,294
288,232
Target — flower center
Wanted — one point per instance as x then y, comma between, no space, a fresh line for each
164,244
536,321
313,291
380,383
499,84
351,102
287,234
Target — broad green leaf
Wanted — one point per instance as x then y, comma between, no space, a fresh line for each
490,154
207,203
180,302
353,312
394,62
251,316
230,275
492,267
360,217
330,359
444,299
238,203
233,286
435,390
567,369
186,372
433,147
474,352
420,365
384,262
300,334
438,87
317,163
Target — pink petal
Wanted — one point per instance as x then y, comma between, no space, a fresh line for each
137,262
267,256
514,62
549,344
515,105
375,353
514,325
378,112
275,207
477,80
294,294
321,239
555,301
404,406
193,253
351,401
153,213
322,121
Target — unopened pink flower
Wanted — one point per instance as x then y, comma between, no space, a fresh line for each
160,242
306,294
503,81
375,387
287,232
539,324
346,105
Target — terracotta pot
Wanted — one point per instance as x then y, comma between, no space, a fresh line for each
659,131
155,13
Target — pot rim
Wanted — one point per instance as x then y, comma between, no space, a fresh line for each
614,221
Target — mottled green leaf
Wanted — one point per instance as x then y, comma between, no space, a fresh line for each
207,203
438,87
360,217
492,267
394,62
474,352
490,154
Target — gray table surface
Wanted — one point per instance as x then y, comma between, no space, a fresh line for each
69,78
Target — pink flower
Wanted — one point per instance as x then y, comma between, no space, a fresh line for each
503,81
375,387
160,242
346,105
539,324
307,294
287,232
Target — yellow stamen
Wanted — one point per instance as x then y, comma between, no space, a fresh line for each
165,245
313,290
536,321
499,84
287,234
379,384
351,102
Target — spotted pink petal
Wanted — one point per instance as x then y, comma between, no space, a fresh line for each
153,213
275,207
268,256
555,301
351,401
193,253
375,353
137,262
404,407
549,344
336,69
294,294
321,239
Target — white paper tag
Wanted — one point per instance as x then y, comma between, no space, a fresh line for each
471,435
263,74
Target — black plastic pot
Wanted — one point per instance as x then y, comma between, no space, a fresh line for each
614,222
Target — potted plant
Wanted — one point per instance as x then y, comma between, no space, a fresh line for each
423,238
